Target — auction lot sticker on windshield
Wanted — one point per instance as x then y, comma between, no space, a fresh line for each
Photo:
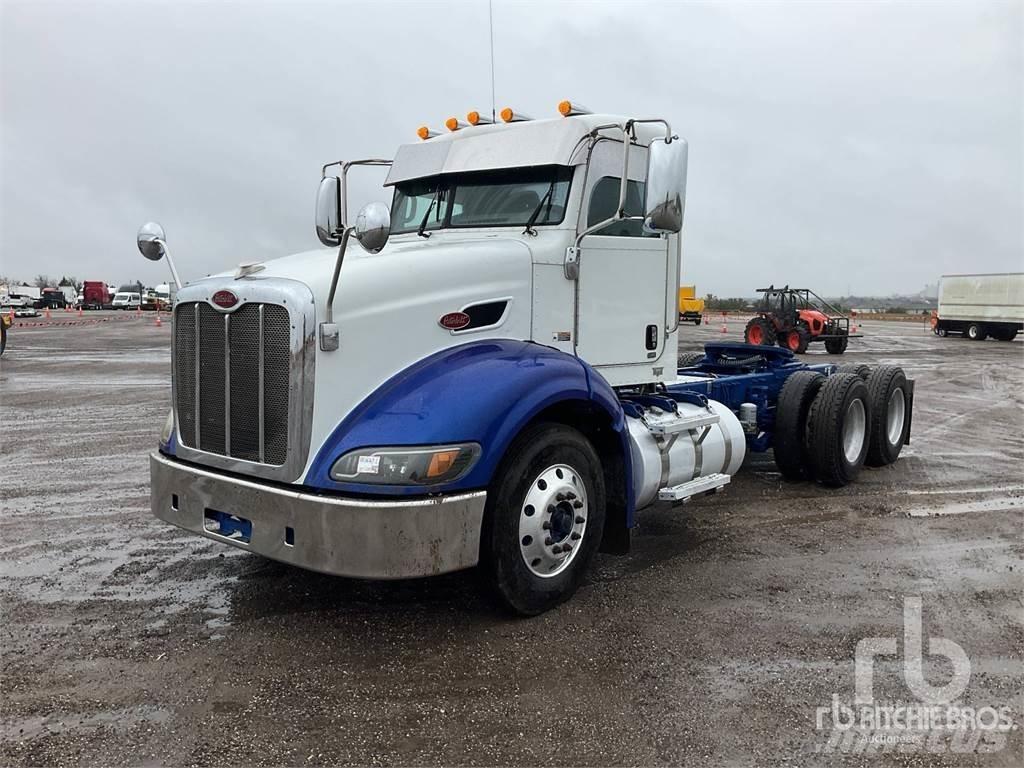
368,465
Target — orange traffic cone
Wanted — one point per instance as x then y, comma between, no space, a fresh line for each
80,314
854,316
725,321
159,322
46,313
706,320
138,311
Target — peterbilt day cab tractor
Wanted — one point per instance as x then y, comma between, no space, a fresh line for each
795,317
491,379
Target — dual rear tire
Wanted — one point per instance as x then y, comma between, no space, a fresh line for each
827,429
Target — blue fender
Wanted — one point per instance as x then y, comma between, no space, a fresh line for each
483,392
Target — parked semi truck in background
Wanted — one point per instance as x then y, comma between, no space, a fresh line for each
95,294
691,309
979,306
519,403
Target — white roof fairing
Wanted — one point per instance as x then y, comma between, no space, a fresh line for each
506,145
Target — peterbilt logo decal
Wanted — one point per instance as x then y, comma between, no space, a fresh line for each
224,299
454,321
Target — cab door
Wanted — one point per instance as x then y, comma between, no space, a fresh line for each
623,272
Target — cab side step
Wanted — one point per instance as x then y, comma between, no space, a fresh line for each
685,491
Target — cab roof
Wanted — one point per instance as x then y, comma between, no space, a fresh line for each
527,143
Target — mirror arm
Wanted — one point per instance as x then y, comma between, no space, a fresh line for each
170,263
345,165
329,309
668,128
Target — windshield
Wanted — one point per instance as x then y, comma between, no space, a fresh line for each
502,198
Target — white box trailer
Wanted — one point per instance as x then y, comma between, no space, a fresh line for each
979,306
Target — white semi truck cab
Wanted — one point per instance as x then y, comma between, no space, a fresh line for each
489,376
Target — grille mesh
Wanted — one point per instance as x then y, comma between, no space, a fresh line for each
226,348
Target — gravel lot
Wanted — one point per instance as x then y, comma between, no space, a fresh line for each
126,642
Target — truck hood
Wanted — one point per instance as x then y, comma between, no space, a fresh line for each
388,306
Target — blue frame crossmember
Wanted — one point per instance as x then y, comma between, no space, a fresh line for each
734,373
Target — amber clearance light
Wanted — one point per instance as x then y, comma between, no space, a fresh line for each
568,109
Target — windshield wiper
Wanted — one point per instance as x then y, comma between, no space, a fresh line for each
426,216
536,211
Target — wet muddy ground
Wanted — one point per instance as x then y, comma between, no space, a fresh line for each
126,642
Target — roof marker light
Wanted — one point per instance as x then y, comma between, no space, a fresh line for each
475,118
569,108
510,116
454,124
425,133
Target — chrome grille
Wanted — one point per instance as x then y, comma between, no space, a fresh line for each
232,380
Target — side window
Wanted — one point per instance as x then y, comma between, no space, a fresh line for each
603,200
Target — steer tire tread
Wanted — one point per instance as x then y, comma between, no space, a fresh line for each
880,385
794,403
828,462
690,358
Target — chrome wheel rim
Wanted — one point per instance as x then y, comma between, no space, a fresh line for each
894,415
553,520
854,430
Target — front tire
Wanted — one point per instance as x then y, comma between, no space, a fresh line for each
837,346
544,518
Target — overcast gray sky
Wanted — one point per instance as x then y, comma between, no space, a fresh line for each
850,146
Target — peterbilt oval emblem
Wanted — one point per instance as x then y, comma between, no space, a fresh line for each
453,321
225,299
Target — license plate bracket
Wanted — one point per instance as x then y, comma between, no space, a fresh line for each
227,525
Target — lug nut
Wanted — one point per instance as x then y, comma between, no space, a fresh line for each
580,519
556,549
577,505
548,541
570,495
560,497
546,525
567,548
575,536
551,509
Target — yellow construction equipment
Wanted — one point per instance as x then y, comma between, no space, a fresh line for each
690,307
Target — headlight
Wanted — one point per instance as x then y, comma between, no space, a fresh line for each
165,436
406,465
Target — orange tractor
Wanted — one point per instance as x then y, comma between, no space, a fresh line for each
794,317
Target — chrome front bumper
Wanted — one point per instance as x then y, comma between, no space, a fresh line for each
355,537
